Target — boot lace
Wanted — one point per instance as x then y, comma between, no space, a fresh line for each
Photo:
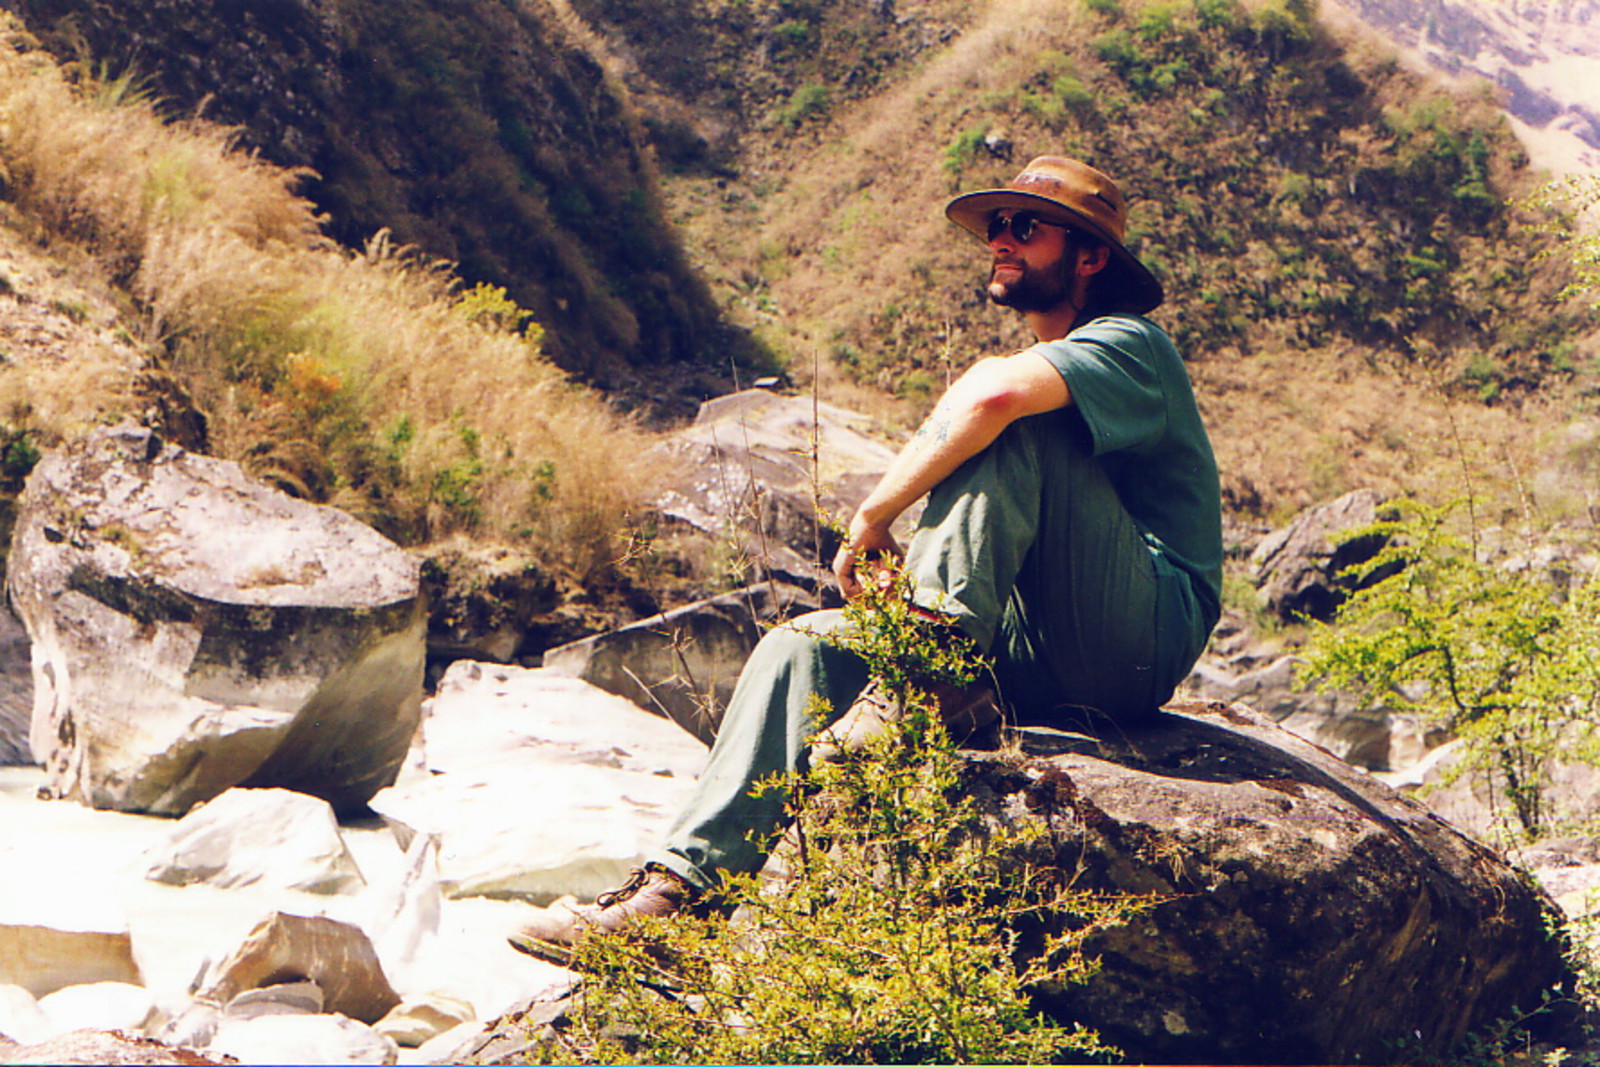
627,889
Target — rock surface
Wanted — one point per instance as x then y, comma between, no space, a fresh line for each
109,1049
1307,912
1297,568
743,472
541,785
682,664
43,959
301,1039
287,948
249,836
194,630
1301,911
16,691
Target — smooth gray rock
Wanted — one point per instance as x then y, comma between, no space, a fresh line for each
541,785
272,837
763,472
302,1039
195,630
16,691
98,1006
1298,568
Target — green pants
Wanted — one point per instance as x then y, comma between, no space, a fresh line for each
1028,547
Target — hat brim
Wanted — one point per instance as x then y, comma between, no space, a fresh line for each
1142,291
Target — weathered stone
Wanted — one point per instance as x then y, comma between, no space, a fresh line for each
1297,568
113,1049
542,785
481,599
16,691
744,472
98,1006
286,998
43,959
417,1020
194,630
302,1039
1305,912
682,664
1296,910
272,837
337,956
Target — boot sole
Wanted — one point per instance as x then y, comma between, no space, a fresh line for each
548,951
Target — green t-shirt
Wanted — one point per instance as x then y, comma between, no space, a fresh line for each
1131,389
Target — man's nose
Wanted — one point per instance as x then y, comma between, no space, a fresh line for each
1003,242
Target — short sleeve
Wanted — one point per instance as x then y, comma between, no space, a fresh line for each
1111,371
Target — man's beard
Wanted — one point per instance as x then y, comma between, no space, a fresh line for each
1032,290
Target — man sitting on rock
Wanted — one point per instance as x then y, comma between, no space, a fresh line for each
1072,528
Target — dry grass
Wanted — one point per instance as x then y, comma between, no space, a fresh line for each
355,378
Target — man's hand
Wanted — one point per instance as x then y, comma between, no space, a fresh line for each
865,547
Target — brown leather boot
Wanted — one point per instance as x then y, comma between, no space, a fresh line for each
649,891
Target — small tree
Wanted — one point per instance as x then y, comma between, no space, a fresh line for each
1496,657
1565,203
890,939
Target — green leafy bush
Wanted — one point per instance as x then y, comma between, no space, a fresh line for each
1493,655
890,940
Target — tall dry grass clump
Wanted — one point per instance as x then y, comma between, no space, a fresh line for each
370,380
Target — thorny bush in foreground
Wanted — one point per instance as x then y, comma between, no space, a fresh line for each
889,939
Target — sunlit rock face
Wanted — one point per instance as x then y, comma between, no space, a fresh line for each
195,630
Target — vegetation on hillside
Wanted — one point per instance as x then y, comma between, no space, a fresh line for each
1500,658
371,380
480,131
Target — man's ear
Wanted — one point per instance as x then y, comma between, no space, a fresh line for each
1092,261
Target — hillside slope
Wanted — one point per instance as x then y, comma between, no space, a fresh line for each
1361,300
480,131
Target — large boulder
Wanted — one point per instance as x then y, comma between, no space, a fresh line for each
684,663
540,785
1299,568
270,837
1304,912
195,630
763,471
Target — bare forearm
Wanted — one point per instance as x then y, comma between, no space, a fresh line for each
957,430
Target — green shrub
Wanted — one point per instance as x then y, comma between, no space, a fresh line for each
891,940
1493,655
961,150
810,101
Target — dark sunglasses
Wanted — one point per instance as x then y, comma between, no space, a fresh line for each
1021,224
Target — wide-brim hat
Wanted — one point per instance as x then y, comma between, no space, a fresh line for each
1074,194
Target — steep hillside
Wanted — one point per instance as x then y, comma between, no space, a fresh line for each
478,130
1344,267
1361,299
